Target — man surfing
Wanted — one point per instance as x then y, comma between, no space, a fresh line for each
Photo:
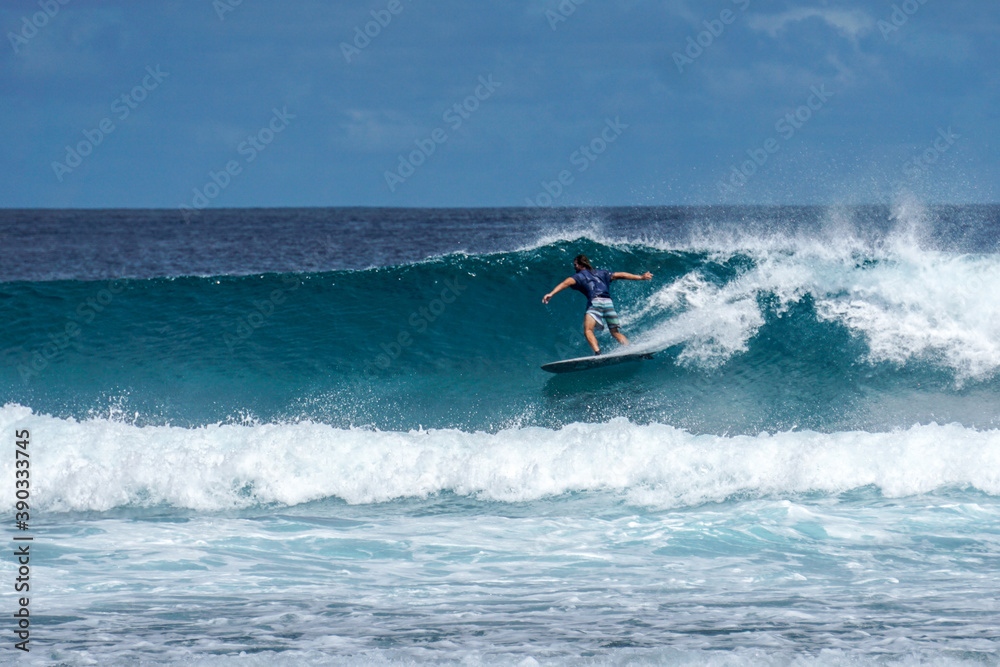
596,286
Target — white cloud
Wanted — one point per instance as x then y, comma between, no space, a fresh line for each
850,23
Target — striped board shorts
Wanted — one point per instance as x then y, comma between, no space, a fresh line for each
603,312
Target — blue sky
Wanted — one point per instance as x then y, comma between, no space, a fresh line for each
568,102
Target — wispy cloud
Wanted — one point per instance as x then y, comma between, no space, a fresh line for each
851,23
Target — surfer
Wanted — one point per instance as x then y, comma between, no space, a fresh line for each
596,285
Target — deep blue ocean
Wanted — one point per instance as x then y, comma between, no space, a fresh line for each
322,436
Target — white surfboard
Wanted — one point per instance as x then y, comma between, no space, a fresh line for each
595,361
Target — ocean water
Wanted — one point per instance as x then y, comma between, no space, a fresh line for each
321,436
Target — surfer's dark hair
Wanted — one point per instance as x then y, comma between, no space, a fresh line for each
582,260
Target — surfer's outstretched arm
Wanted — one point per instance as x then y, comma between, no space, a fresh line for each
621,275
569,282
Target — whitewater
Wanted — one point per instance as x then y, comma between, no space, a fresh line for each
221,467
322,436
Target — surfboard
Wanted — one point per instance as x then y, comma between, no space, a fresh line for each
597,361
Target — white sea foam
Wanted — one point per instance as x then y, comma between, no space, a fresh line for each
100,464
906,302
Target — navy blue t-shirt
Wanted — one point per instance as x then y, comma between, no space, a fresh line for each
593,283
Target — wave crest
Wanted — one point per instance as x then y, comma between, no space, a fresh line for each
101,464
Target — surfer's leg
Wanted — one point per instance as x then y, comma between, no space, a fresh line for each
619,336
588,331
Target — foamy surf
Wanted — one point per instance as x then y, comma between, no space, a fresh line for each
905,302
101,464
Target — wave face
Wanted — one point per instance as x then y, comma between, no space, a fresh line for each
829,328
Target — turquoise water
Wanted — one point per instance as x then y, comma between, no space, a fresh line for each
324,450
